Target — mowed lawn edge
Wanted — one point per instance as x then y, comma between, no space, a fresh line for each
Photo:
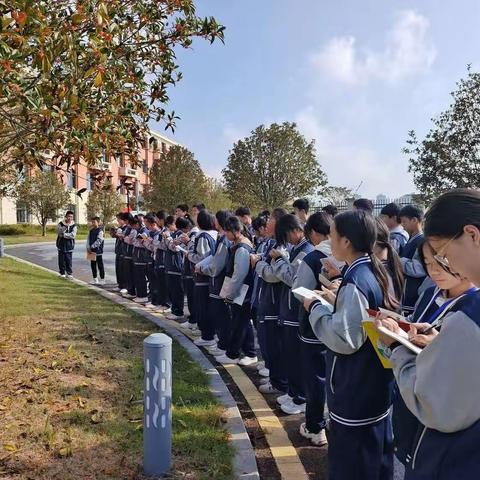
71,377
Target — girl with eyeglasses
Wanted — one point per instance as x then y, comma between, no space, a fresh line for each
441,386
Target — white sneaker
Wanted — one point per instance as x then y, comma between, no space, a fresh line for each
215,337
264,372
223,359
216,352
268,388
284,399
291,408
319,438
143,300
62,275
172,316
102,281
94,281
260,365
70,277
200,342
149,305
127,295
187,325
247,361
196,332
123,291
164,309
264,381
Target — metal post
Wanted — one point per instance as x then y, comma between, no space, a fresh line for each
2,247
157,416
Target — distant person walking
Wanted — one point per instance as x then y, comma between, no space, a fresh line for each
66,233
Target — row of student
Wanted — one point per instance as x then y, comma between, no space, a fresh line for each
436,415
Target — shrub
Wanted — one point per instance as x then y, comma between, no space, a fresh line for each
12,230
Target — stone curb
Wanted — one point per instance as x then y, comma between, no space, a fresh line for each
245,465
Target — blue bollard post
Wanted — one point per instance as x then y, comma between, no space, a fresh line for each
157,413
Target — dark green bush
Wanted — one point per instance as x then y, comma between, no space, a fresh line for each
12,230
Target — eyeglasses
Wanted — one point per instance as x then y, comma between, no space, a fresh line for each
441,258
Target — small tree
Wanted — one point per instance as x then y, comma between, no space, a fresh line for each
272,166
217,197
104,202
175,178
44,195
449,156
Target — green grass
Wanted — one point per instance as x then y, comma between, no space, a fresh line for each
72,378
18,234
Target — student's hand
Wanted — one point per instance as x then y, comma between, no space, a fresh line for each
331,270
307,302
197,269
254,259
335,285
390,324
274,253
417,338
165,234
327,294
89,251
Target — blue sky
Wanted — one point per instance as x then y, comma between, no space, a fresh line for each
354,75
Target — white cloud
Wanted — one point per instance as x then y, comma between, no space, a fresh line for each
348,164
408,50
232,134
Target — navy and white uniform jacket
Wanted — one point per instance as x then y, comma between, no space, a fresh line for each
174,259
398,239
95,240
119,241
270,288
66,237
239,270
359,389
141,256
150,244
127,245
286,270
441,387
188,266
414,272
203,247
159,249
261,246
307,277
214,266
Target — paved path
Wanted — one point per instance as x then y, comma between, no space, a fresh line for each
45,254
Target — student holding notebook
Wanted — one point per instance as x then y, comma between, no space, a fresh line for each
359,389
441,385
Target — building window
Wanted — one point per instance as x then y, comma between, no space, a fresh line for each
22,213
71,179
164,147
90,182
119,159
145,166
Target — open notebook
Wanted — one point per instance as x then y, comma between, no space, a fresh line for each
225,291
306,293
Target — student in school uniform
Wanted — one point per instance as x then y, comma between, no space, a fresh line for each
66,233
444,401
330,210
312,349
181,210
159,263
363,204
268,309
204,245
195,210
94,244
118,234
215,268
432,307
359,389
141,261
259,225
127,256
149,245
240,272
411,217
174,263
245,216
300,208
289,231
390,214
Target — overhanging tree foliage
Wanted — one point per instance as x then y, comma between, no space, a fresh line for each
449,156
176,177
82,77
44,195
272,166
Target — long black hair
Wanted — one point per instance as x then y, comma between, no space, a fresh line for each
359,227
205,220
221,216
285,224
393,264
451,211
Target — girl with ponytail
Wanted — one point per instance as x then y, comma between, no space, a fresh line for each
359,389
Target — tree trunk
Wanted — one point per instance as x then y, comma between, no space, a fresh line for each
44,228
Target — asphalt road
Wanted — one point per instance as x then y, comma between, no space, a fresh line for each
45,254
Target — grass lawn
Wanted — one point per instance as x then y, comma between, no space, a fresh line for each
16,234
71,380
